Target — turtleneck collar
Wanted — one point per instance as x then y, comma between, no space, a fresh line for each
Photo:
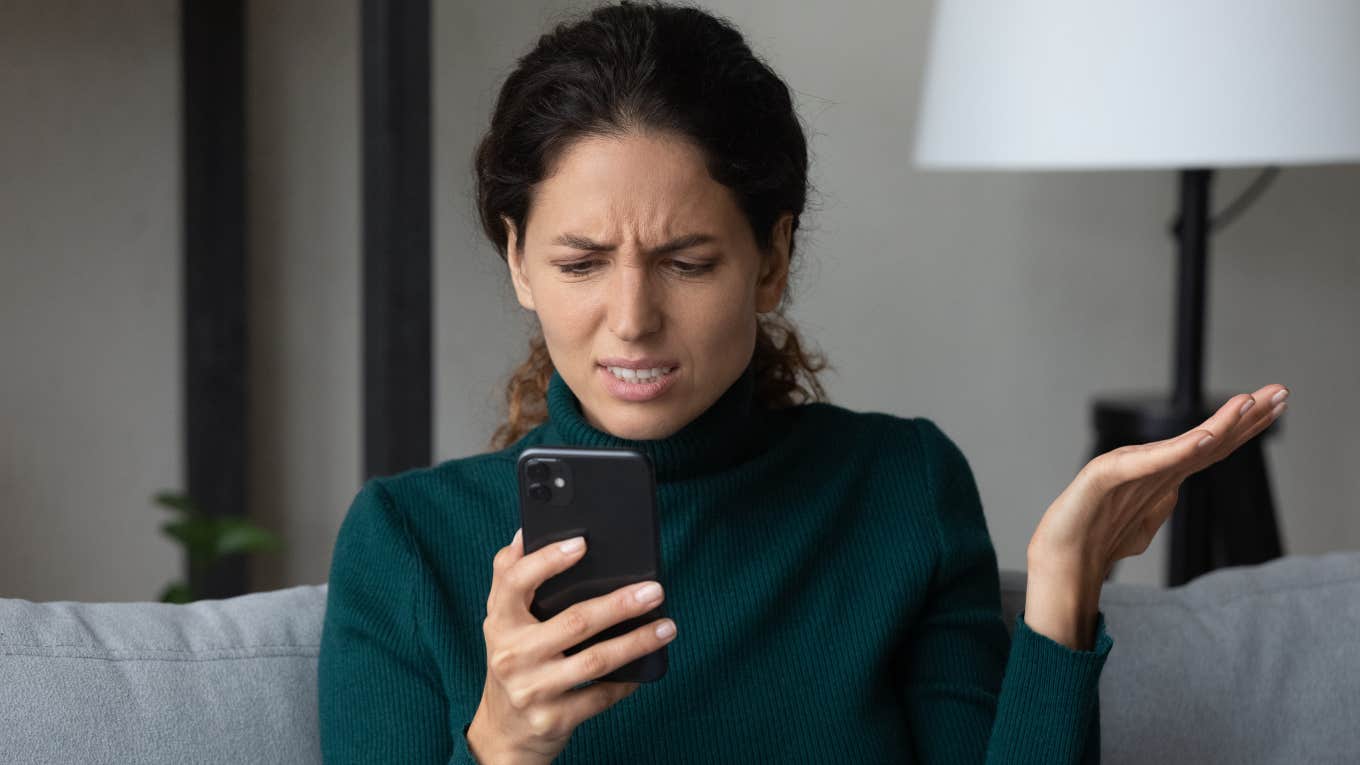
723,435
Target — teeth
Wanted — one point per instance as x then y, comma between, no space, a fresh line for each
640,375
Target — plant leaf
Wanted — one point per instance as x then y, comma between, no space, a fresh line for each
176,592
198,535
176,501
238,535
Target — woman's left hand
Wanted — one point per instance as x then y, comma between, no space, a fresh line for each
1121,498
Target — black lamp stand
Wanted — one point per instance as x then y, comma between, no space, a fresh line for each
1224,515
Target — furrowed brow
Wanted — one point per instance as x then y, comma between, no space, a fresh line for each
578,242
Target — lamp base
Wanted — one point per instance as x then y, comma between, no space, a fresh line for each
1225,515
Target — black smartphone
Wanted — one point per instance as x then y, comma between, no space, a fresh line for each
608,496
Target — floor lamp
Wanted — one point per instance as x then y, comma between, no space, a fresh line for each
1140,84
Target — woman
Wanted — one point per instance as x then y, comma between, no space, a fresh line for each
832,589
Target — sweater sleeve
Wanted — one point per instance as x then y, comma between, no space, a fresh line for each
380,698
974,694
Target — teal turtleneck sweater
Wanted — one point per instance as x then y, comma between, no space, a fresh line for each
830,573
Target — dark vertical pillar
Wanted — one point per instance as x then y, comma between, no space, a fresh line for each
396,235
212,49
1192,239
1190,548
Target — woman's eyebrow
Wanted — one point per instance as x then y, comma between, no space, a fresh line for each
579,242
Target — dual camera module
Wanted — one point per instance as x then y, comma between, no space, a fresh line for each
549,481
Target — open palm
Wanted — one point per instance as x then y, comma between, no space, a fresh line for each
1121,498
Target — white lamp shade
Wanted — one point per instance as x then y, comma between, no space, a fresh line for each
1065,84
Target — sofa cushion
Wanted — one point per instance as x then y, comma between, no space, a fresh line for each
213,681
1254,664
1250,664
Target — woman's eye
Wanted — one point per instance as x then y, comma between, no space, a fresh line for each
689,269
583,267
576,267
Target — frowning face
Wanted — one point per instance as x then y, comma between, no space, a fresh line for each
646,279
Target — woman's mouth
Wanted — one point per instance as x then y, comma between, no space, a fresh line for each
637,384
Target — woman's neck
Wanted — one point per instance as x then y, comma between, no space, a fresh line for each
721,436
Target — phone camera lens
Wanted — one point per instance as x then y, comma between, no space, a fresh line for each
540,492
537,471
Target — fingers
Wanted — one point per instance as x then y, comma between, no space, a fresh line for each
605,657
517,575
1168,463
531,677
1251,431
1135,462
1227,416
1230,413
1230,428
532,697
589,617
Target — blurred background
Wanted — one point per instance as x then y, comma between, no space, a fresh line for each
1017,297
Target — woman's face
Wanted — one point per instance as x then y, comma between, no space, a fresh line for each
634,257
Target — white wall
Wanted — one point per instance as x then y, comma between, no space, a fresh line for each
90,404
996,304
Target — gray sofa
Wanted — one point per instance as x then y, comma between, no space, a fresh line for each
1257,664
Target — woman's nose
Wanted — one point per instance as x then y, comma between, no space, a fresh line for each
633,309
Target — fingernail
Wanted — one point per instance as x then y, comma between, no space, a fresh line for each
648,593
518,532
1250,403
665,629
1281,396
1204,441
572,545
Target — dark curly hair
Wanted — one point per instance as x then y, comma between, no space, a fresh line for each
636,67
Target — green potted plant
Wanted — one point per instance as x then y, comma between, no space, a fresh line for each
206,539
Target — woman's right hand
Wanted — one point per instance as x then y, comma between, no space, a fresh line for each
529,706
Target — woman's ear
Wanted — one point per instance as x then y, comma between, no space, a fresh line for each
515,260
774,270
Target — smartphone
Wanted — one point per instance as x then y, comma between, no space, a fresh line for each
607,495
